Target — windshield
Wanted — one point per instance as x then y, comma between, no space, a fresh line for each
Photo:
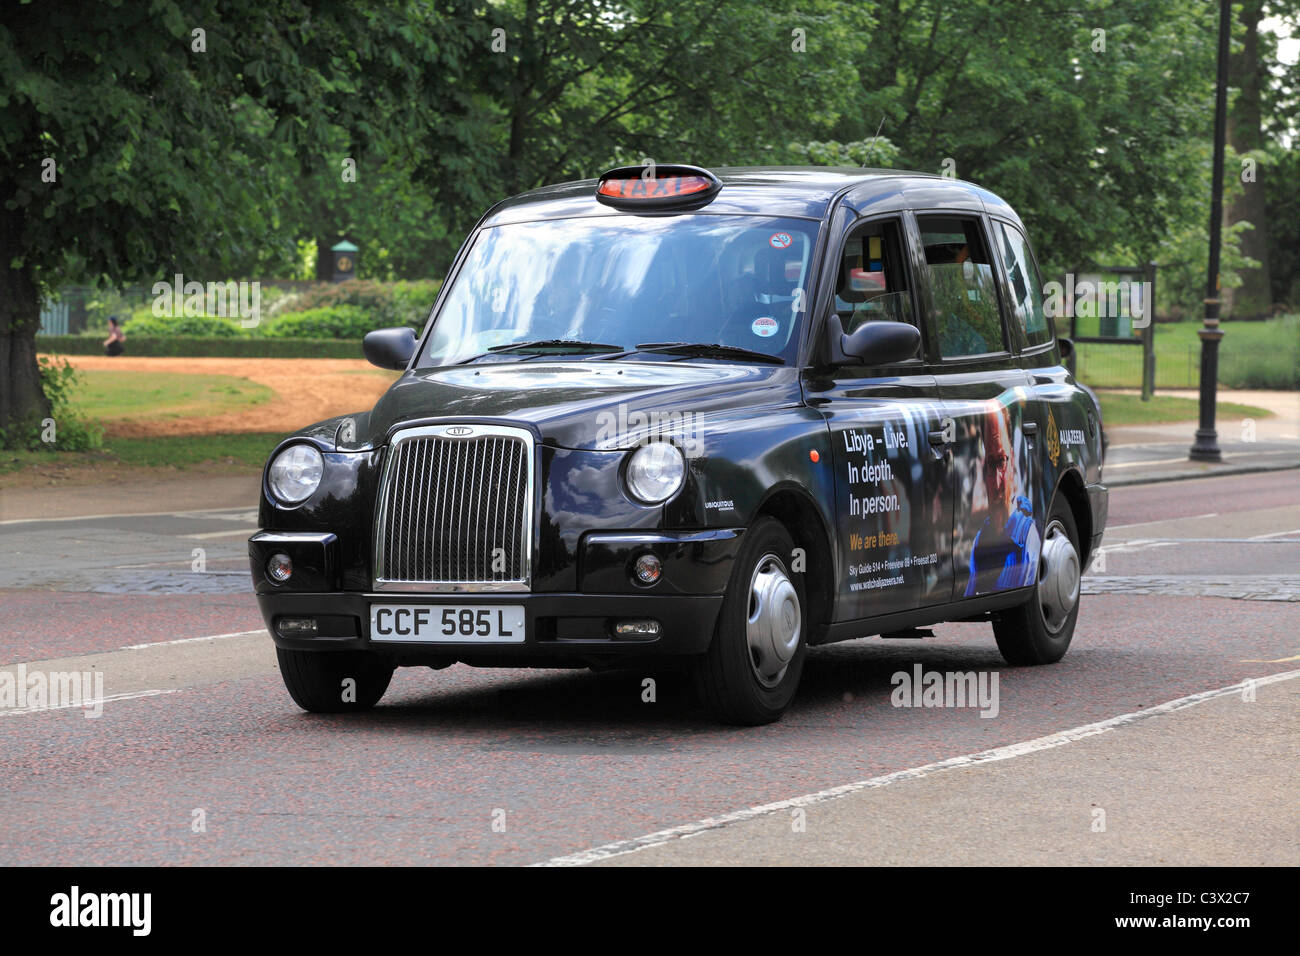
622,281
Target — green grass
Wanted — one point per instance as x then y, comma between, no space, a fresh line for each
1251,355
109,395
243,451
1122,409
186,451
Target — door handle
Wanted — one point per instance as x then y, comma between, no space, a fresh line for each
1030,428
936,438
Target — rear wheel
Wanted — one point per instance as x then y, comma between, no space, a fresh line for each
1039,631
752,668
334,682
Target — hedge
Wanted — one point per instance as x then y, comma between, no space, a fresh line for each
189,347
339,322
193,326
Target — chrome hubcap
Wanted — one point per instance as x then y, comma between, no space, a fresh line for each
775,622
1058,577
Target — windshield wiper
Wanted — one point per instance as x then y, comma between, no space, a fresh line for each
567,345
709,349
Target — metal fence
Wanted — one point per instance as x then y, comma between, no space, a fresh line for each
54,318
1104,366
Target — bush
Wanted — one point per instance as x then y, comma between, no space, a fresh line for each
192,347
153,326
374,298
64,430
414,300
337,322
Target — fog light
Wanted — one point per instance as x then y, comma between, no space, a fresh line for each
279,567
645,628
647,569
297,627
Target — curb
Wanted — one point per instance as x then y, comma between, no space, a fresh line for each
1219,472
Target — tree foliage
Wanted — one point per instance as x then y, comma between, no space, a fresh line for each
220,138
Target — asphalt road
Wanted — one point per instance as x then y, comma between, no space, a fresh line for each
200,757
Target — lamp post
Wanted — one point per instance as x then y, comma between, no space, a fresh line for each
1206,447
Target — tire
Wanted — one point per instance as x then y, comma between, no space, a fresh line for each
1040,630
751,671
315,679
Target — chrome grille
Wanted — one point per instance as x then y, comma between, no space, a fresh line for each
455,510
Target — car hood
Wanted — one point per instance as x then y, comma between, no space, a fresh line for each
589,405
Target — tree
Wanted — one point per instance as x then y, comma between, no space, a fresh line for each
138,140
566,88
1281,120
1078,112
1248,75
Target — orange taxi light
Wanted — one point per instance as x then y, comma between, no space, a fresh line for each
653,187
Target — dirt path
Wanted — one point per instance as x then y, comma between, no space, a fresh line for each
306,391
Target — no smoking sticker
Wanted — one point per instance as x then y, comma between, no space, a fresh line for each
780,240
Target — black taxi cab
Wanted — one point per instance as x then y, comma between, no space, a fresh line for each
720,416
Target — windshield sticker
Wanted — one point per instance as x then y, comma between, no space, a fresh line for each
780,240
765,327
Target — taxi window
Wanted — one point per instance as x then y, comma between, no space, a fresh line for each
961,283
1029,322
620,280
872,284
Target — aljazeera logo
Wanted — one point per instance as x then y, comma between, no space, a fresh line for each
1053,439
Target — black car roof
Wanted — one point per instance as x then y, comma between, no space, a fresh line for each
800,191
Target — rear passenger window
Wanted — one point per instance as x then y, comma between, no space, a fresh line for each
1029,322
961,283
872,284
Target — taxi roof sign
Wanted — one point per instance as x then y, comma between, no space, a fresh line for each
657,186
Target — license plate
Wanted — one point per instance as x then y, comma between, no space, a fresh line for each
451,623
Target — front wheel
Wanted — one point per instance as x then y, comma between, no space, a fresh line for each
334,682
1039,631
752,667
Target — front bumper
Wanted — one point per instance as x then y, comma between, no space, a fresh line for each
560,629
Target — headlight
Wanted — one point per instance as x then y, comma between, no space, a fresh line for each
655,472
295,474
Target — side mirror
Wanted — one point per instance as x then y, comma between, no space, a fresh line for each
389,348
872,343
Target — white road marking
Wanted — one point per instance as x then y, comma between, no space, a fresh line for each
134,695
137,514
1141,544
246,515
242,532
1165,461
1275,534
1111,466
1008,752
192,640
1139,524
